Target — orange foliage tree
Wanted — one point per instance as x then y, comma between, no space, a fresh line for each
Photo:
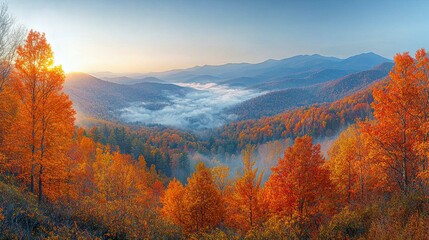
422,63
203,200
400,110
174,204
43,132
300,184
197,207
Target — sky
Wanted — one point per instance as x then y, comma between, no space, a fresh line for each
133,36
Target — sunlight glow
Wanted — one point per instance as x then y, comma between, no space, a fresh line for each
68,66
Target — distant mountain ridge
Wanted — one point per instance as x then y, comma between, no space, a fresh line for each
129,80
270,74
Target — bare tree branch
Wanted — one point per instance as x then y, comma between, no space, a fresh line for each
11,36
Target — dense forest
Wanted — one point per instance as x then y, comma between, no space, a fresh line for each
61,181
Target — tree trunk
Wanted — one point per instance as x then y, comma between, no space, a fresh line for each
33,135
404,163
40,185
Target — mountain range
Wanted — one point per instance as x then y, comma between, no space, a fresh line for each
272,86
257,75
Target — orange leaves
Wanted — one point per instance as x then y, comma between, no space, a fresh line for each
299,183
316,120
401,111
44,126
197,207
203,200
157,190
173,203
119,190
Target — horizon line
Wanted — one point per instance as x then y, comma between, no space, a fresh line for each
127,74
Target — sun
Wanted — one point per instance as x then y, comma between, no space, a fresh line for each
68,65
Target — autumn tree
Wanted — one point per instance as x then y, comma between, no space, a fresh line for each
174,204
197,207
244,207
422,148
299,185
102,168
122,190
399,110
353,172
44,132
222,180
203,199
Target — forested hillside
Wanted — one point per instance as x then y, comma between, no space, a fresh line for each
59,180
279,101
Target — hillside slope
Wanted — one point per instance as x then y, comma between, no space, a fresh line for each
22,218
101,99
278,101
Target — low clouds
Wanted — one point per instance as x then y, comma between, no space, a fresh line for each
197,110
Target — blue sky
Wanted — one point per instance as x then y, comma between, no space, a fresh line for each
143,36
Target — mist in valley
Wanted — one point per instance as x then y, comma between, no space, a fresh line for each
265,155
200,109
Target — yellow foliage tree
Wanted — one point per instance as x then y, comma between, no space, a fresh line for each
244,205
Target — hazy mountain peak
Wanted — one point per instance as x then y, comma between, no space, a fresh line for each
364,61
77,76
368,56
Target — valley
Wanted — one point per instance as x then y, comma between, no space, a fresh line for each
208,120
207,97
